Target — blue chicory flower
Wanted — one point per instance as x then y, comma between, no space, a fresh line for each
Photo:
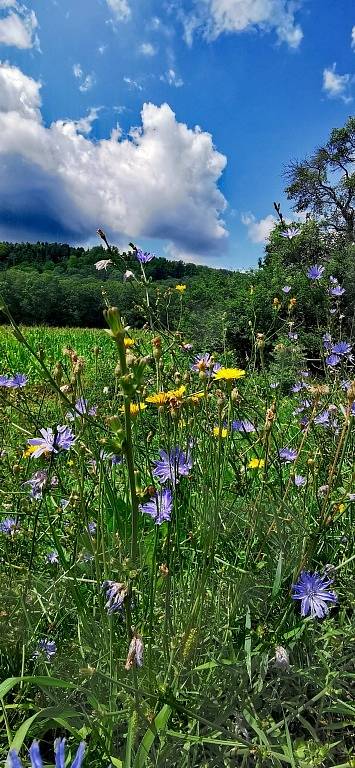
205,364
244,426
172,465
116,594
323,419
332,360
37,484
143,256
53,557
159,507
312,590
48,647
288,454
286,289
299,480
315,272
63,439
342,348
36,760
290,232
336,291
9,526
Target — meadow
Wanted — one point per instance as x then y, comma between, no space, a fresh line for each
177,545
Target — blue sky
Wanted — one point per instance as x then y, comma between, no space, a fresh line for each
220,95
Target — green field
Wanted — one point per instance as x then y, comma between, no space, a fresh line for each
232,674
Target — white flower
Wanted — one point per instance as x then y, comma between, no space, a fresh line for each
128,274
103,263
105,390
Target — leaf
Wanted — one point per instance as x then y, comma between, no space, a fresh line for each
116,762
277,579
49,713
247,642
45,682
159,724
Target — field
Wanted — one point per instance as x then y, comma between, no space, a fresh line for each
176,550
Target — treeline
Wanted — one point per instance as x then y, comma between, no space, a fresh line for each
59,285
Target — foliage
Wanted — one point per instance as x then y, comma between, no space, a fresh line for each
324,184
232,674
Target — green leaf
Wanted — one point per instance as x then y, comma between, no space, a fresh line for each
247,642
42,682
155,729
49,713
277,579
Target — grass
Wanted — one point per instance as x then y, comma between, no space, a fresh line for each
233,675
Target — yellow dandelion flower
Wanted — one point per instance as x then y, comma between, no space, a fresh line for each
229,373
135,408
195,397
29,451
128,342
256,463
220,431
159,398
177,392
180,288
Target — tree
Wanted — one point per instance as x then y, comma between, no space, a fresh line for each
324,184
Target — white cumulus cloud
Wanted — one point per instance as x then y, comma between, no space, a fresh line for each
120,9
258,230
172,78
147,49
18,26
160,181
337,86
353,38
215,17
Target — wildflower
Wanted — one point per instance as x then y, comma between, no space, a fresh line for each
186,346
323,490
171,465
116,594
315,272
135,653
65,438
336,291
37,484
274,384
220,431
292,303
135,408
299,480
159,507
276,302
256,464
226,374
3,380
243,426
18,381
50,443
322,419
342,348
160,398
204,363
290,232
52,557
36,760
180,288
92,528
312,590
282,659
128,275
327,340
286,289
128,342
48,647
81,409
297,387
103,264
143,256
176,393
288,454
332,360
9,526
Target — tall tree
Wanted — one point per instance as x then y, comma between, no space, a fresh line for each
324,184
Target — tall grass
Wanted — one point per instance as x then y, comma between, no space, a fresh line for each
232,674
